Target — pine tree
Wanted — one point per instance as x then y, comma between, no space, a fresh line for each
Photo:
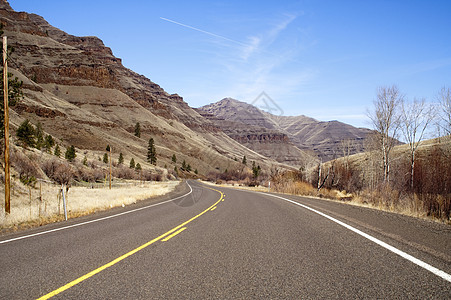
132,163
57,151
121,159
244,160
85,161
151,152
138,167
26,134
255,170
174,158
108,148
39,135
49,142
183,165
138,130
70,153
105,158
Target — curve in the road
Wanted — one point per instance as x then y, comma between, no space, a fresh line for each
164,237
95,220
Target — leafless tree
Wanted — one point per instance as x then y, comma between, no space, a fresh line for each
386,121
416,117
444,97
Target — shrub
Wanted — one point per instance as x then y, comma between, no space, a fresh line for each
59,171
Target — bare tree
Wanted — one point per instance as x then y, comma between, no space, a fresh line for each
444,97
416,117
386,121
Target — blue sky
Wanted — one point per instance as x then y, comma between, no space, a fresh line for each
323,59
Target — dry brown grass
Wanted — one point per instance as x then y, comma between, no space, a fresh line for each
43,204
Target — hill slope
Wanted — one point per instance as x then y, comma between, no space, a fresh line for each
83,95
322,139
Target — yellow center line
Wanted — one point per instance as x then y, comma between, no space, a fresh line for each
213,208
172,235
176,230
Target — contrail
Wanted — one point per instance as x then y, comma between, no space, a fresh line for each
206,32
223,37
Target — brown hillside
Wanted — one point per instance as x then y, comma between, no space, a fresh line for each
84,96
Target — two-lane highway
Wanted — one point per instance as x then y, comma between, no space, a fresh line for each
225,244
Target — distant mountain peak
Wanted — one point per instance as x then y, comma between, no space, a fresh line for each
321,137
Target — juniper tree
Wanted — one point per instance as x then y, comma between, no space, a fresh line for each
121,159
151,152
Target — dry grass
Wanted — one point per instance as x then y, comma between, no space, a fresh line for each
44,203
239,186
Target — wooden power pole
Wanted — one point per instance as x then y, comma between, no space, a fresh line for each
5,99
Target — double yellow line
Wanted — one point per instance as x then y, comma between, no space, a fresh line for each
164,237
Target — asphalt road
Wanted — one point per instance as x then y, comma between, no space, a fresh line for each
230,244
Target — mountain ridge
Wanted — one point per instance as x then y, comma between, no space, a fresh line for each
321,138
83,95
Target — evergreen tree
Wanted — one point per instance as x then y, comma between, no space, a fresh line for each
138,130
57,151
39,135
188,168
49,142
138,167
108,148
183,165
105,158
121,159
151,152
85,161
132,163
174,158
255,170
70,153
244,160
196,172
26,134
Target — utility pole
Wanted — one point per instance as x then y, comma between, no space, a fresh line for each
110,168
5,99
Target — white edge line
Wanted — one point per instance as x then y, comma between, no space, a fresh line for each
403,254
96,220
